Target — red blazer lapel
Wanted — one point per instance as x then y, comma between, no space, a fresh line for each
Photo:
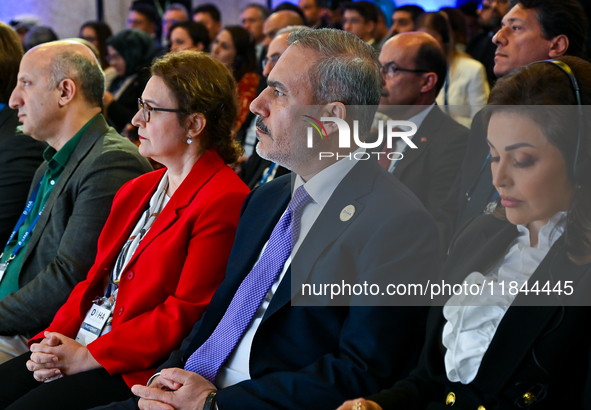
205,168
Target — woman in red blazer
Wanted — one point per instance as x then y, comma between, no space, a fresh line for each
161,255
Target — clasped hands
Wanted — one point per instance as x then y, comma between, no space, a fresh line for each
174,389
57,356
360,404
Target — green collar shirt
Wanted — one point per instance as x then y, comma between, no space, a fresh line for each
56,162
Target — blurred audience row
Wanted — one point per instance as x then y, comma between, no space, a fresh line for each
464,34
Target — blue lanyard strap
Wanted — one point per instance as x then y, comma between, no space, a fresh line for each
268,173
21,221
396,162
475,182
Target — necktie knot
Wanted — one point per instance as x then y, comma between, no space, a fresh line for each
300,199
298,202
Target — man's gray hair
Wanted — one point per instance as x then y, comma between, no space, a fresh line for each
87,75
291,29
347,70
179,7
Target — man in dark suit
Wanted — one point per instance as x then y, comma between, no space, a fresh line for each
286,353
59,101
20,155
414,69
533,30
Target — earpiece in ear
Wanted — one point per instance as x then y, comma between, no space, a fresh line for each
578,169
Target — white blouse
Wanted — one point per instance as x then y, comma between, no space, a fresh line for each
473,320
468,89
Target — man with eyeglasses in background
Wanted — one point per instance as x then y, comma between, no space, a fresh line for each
247,133
257,171
414,69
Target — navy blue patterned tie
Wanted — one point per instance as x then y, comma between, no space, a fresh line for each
211,355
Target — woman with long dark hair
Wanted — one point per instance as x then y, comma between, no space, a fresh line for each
234,47
519,339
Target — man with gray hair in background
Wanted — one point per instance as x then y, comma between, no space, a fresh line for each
256,170
58,96
258,346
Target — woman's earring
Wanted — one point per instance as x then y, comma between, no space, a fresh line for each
189,141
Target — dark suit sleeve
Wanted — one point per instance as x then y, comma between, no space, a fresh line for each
445,167
411,393
367,358
341,352
448,214
20,156
91,198
376,345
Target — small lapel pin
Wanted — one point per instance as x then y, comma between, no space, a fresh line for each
347,213
423,139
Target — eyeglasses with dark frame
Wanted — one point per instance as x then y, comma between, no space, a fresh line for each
390,68
146,109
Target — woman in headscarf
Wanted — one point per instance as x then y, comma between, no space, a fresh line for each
130,53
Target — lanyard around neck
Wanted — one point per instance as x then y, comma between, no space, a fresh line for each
21,221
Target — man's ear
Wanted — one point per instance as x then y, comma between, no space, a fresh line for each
558,46
195,124
67,89
372,27
333,109
429,82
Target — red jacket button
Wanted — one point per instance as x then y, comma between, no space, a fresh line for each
120,311
130,275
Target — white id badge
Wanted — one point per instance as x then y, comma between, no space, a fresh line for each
93,323
3,267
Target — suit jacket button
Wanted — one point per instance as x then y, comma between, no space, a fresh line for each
120,311
450,400
130,275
